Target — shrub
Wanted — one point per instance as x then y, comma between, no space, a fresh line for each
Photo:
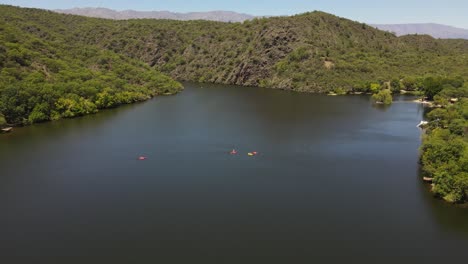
374,87
2,120
39,114
383,97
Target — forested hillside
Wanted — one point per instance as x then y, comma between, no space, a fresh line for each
54,65
44,76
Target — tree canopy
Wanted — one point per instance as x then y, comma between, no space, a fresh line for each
444,153
383,97
43,76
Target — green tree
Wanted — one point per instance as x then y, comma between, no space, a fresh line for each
105,100
458,126
383,97
374,87
410,84
2,120
432,86
40,113
395,86
299,54
441,100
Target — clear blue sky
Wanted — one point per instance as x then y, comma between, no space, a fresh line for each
450,12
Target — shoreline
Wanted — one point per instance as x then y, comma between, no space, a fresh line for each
424,102
350,93
11,127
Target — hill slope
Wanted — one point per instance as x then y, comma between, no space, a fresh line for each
431,29
222,16
434,30
43,77
312,52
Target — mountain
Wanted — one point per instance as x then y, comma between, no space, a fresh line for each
222,16
55,65
313,52
434,30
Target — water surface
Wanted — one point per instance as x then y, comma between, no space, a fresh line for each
335,180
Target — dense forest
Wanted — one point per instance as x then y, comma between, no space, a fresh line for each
444,154
45,77
315,52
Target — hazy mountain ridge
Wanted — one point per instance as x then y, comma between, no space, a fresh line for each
432,29
222,16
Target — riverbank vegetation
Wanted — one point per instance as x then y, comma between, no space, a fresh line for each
45,77
383,97
444,152
2,121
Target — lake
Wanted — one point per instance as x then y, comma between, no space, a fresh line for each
335,180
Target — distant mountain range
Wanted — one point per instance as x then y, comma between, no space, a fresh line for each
223,16
434,30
